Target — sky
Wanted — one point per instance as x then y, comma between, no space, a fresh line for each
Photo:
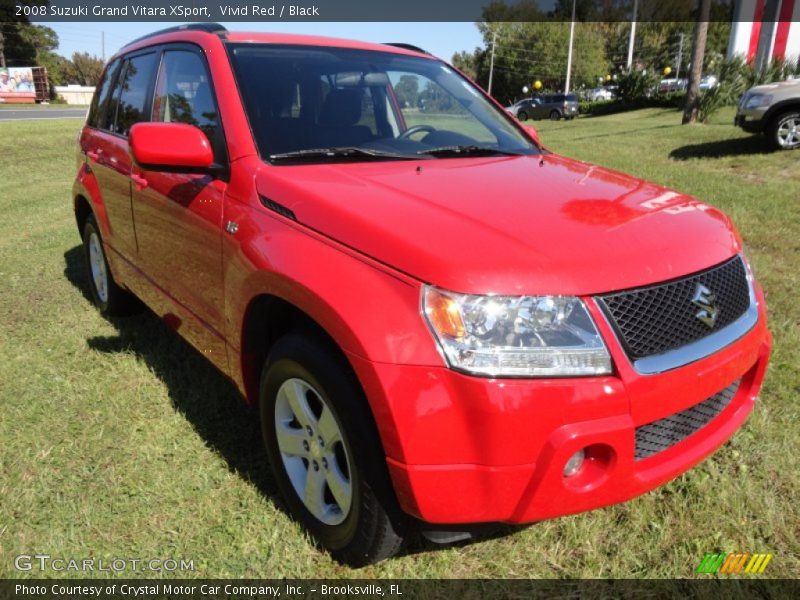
440,39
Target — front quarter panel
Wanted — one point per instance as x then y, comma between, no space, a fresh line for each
369,310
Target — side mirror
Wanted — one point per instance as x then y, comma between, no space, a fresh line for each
174,147
531,131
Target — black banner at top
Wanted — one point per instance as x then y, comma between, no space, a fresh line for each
181,11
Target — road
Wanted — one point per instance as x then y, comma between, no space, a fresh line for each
28,114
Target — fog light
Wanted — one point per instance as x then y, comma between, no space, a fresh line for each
574,464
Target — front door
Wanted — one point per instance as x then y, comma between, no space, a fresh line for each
178,216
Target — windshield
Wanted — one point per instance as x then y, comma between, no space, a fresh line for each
365,105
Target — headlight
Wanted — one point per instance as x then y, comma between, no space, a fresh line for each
516,336
758,101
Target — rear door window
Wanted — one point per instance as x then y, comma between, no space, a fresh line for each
131,93
101,97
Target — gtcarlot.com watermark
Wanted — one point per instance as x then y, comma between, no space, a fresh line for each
45,562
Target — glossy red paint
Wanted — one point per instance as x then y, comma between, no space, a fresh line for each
513,225
366,238
170,145
531,131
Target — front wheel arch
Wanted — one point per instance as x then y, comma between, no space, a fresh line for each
266,320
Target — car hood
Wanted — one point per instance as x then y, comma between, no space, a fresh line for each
790,85
506,225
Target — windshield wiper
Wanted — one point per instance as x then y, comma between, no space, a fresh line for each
469,150
346,152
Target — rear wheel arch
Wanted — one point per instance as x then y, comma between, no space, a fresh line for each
83,210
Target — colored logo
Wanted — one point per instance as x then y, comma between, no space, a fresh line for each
734,563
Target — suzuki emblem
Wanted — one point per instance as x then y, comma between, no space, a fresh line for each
704,298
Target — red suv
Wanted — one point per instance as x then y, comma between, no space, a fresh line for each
441,322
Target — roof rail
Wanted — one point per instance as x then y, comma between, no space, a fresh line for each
207,27
407,47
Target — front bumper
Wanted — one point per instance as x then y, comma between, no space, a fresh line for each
464,449
750,121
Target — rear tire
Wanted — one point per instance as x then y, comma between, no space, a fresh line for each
555,115
784,131
110,298
325,452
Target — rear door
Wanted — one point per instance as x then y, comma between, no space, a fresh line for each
107,146
179,215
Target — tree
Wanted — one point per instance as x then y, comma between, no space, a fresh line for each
407,90
531,51
16,35
466,62
44,41
83,69
692,105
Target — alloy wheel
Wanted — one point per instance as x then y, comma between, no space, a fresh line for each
313,451
97,263
788,133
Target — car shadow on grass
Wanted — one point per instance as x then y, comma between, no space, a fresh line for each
743,146
207,399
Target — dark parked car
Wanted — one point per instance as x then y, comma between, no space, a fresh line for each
553,107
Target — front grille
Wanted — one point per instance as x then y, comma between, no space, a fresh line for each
658,318
665,433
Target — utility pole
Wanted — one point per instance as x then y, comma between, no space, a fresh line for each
680,57
633,34
103,45
569,52
491,62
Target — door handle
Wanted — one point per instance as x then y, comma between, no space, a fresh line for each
92,155
139,181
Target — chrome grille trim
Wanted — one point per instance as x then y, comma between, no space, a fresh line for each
695,350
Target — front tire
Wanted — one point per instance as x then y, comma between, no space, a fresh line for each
110,298
784,131
522,115
555,115
325,452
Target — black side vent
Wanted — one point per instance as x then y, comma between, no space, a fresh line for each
278,208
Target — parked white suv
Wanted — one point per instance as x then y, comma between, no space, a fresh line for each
774,110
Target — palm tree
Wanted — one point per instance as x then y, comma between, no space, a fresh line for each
691,108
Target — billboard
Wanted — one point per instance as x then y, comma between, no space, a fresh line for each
16,85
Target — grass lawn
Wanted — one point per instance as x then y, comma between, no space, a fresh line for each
118,440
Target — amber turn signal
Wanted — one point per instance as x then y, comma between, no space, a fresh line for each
444,314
